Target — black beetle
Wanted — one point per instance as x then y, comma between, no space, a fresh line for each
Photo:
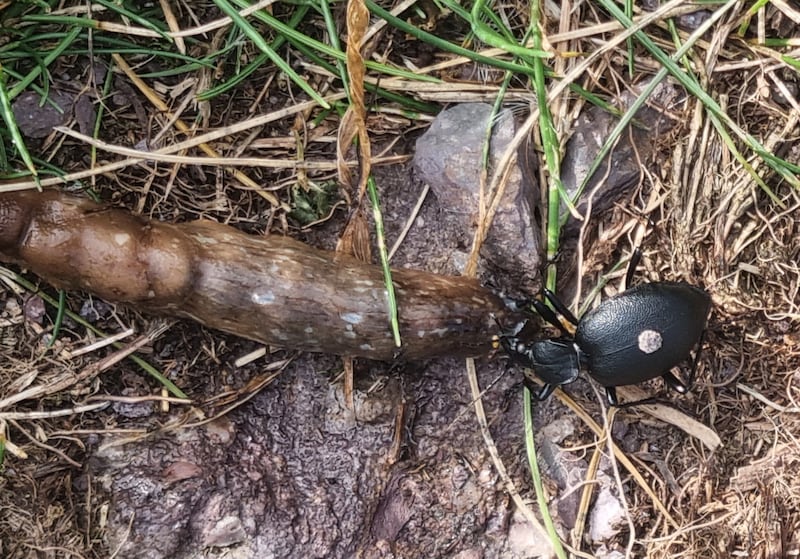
632,337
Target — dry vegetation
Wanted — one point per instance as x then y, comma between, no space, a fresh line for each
713,225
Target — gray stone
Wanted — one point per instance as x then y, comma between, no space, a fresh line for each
619,172
621,169
448,158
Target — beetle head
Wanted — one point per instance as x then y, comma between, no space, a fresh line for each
556,361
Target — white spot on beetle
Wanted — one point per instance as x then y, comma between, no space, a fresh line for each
309,330
263,298
650,341
353,317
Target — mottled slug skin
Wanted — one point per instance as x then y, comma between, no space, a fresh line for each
271,289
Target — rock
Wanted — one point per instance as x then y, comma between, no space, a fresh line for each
620,170
564,468
448,158
606,517
37,118
604,553
525,542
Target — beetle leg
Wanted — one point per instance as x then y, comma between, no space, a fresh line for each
547,313
649,400
613,401
696,359
559,306
545,392
539,393
611,396
633,263
674,383
684,387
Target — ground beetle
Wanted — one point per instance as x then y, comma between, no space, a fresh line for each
635,336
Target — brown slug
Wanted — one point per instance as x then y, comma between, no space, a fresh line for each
271,289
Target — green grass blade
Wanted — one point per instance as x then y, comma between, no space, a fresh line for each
62,305
552,152
533,463
333,37
252,33
485,34
445,45
757,5
51,56
13,129
629,40
295,36
372,192
793,62
617,131
229,84
133,16
691,84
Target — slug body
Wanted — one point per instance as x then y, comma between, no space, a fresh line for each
272,289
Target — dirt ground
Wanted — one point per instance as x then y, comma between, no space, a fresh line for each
267,458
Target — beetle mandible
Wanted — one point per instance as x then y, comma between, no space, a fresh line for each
634,336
